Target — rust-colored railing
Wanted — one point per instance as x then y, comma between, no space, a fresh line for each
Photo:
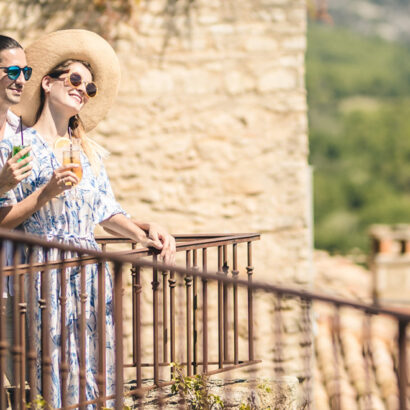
31,283
181,300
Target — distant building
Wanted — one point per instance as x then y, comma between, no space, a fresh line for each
390,264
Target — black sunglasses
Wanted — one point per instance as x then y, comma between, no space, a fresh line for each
13,72
76,80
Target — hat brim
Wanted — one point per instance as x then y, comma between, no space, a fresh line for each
57,47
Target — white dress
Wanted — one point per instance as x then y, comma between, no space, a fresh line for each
71,222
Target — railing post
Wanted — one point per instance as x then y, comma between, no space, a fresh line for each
225,270
235,274
83,335
367,337
195,309
307,343
164,316
220,312
119,351
204,313
155,308
172,283
101,332
3,342
64,368
32,313
45,331
249,271
16,348
402,373
22,331
136,328
188,283
278,332
337,397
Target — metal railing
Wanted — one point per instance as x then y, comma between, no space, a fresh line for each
31,292
180,306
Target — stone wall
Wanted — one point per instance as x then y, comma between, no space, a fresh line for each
209,131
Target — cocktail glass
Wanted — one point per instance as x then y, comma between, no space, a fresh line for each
72,155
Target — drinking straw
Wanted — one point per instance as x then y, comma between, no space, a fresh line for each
71,143
21,131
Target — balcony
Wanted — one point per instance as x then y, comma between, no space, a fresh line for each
205,314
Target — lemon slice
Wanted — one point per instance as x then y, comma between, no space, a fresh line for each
61,142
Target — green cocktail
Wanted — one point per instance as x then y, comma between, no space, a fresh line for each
17,149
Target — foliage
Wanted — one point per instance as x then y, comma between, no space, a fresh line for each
359,120
38,404
194,390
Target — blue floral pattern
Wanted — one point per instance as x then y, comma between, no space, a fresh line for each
69,220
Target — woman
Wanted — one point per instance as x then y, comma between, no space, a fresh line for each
75,79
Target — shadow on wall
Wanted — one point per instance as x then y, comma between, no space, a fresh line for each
101,16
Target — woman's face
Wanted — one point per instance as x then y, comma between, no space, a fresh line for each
64,96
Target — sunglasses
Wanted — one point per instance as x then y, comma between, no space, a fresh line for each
76,80
13,72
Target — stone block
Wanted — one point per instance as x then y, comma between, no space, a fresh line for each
277,79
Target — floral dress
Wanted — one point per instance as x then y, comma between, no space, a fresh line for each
71,221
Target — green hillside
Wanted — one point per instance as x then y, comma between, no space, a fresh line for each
359,120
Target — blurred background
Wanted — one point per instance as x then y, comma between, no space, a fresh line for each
358,72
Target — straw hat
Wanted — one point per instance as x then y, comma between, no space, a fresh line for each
54,48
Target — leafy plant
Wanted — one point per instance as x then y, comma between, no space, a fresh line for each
194,390
38,404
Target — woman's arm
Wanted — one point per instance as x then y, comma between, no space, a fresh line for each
157,233
121,225
12,216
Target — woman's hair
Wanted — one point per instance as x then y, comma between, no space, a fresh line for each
7,43
94,151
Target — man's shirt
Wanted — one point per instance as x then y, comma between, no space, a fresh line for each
12,124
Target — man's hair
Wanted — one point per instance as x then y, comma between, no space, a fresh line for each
7,43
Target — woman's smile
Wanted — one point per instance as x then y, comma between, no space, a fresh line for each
76,96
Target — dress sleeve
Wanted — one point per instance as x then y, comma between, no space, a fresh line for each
8,198
107,205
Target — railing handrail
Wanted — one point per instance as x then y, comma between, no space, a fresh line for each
117,257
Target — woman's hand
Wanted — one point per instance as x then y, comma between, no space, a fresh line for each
13,171
62,179
149,235
159,234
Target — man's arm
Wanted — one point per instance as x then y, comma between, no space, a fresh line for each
13,171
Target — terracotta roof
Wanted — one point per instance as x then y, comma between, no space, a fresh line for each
363,381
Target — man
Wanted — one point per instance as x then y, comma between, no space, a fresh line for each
14,73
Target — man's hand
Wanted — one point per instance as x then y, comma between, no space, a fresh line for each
14,171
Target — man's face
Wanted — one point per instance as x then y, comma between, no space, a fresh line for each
10,90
